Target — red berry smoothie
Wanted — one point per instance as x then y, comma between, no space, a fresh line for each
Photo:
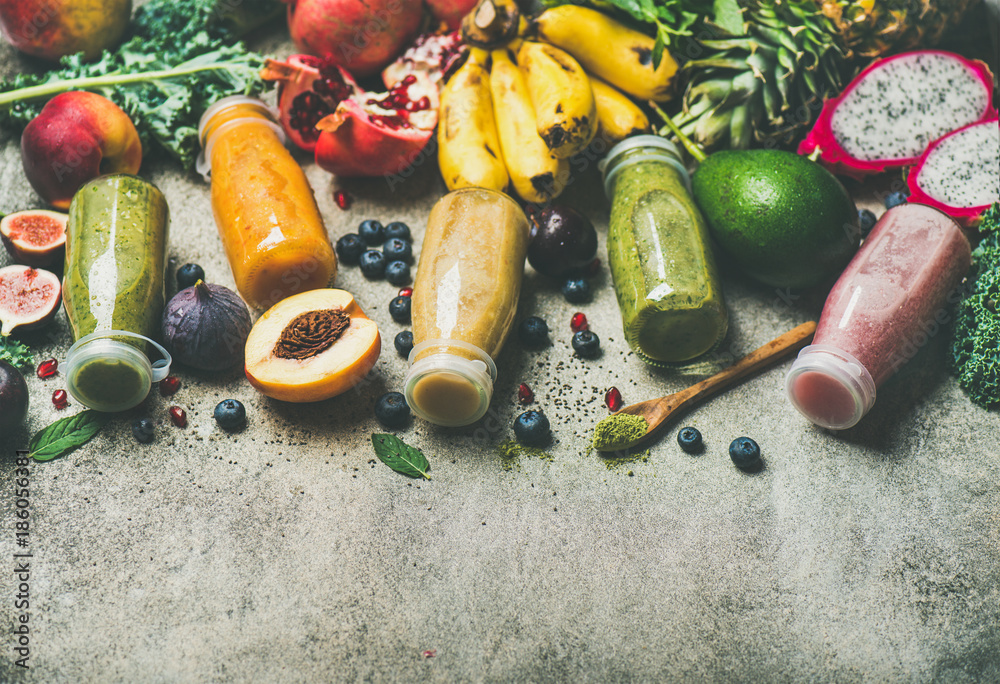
889,301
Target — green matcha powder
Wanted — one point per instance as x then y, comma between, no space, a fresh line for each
618,431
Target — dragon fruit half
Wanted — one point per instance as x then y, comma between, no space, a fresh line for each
960,172
891,112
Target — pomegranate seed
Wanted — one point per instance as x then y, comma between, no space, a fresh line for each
178,416
342,199
169,385
592,269
578,322
59,399
613,399
46,369
408,80
405,292
524,394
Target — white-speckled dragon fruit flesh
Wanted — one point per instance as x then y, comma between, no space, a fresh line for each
960,172
891,112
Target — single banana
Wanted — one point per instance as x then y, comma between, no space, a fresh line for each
610,50
468,147
617,115
536,175
565,114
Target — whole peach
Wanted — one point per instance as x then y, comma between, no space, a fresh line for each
51,29
76,137
362,36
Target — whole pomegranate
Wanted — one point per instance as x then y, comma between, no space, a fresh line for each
353,132
361,35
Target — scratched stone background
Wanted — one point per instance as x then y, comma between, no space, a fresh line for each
287,553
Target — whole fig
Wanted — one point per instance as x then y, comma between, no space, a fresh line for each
13,398
206,327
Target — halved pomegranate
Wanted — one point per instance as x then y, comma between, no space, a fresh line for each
353,132
29,298
434,54
35,237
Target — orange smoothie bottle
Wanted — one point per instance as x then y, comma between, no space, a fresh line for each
264,207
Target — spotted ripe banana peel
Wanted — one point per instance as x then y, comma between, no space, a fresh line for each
565,113
536,175
618,117
468,147
610,50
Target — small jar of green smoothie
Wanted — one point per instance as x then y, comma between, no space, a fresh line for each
660,254
113,291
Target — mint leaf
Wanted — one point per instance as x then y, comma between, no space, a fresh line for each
400,456
16,354
66,434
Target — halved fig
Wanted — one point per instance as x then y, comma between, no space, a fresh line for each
311,346
29,298
36,237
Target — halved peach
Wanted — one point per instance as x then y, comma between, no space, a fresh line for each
311,346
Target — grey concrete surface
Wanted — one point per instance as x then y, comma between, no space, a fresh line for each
288,553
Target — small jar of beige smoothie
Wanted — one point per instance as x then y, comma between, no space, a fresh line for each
464,301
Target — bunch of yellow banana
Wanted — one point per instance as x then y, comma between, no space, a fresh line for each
516,112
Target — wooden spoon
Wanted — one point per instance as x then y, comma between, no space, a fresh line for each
658,411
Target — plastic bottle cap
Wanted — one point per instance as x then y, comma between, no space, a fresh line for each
117,358
830,387
447,389
658,149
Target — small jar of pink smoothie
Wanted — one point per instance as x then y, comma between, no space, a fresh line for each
889,301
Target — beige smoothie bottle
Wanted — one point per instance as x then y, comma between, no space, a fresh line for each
464,301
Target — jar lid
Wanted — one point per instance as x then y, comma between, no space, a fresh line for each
656,148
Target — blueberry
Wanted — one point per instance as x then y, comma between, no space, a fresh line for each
372,232
230,414
532,428
576,291
372,264
391,410
586,344
397,229
143,430
397,272
745,453
399,309
397,249
690,440
188,275
404,343
349,248
894,199
533,332
866,221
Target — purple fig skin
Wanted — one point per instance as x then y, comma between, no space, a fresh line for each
562,240
206,327
13,399
45,309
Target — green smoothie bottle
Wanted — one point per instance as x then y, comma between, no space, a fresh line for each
660,254
113,291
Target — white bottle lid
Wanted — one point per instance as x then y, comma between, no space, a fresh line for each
101,347
830,387
462,387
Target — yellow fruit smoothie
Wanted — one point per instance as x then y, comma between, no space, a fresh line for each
464,301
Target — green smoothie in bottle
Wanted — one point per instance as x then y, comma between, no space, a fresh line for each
113,291
660,254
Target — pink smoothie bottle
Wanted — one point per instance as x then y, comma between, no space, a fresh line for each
889,301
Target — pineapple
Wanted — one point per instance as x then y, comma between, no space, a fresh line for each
768,85
871,28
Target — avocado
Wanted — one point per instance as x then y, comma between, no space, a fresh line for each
782,218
